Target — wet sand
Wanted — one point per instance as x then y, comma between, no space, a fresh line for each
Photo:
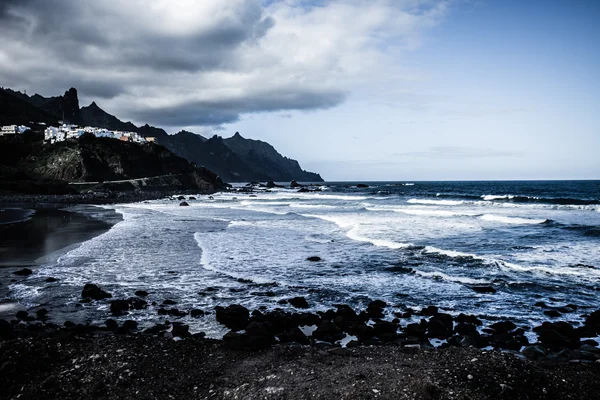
31,235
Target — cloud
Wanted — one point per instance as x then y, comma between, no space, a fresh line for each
187,63
454,152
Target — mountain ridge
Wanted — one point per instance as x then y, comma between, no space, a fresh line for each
234,159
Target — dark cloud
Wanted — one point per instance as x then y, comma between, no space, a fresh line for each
186,63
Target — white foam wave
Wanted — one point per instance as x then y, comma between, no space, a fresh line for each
436,202
324,206
449,253
511,220
354,235
490,197
456,279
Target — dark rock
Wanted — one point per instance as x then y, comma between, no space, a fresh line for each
362,185
298,302
234,317
386,331
327,331
42,313
503,327
21,315
181,198
129,325
119,307
293,335
540,304
51,279
469,319
183,204
294,184
174,312
141,293
195,313
91,291
111,324
552,313
375,309
429,311
308,319
314,258
23,272
6,329
137,304
557,335
534,352
592,322
169,302
180,330
303,190
483,289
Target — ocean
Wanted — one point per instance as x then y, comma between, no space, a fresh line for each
411,244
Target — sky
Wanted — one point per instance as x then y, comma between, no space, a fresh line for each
355,90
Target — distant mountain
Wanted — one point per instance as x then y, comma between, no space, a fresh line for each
261,156
235,159
16,110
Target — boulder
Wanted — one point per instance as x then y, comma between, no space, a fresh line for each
327,331
534,352
21,315
169,302
314,258
592,322
293,335
6,329
362,186
234,317
137,304
183,204
129,325
111,324
91,291
50,280
375,309
180,330
298,302
552,313
23,272
141,293
503,327
119,307
246,342
195,313
295,184
558,335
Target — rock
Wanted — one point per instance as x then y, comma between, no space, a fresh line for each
483,289
174,312
375,309
386,331
183,204
293,335
469,319
294,184
503,327
592,322
534,352
91,291
180,330
298,302
234,317
50,280
129,325
557,335
6,329
429,311
169,302
137,304
119,307
23,272
540,304
111,324
552,313
195,313
362,186
327,331
246,342
314,258
141,293
181,198
21,315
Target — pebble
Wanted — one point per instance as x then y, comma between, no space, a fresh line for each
470,377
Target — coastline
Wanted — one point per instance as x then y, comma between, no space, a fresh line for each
48,231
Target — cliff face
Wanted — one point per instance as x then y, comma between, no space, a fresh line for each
261,156
235,159
135,167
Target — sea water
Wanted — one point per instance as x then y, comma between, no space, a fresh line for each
411,244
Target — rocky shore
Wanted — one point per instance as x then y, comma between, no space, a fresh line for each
283,354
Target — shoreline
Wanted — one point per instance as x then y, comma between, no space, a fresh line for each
49,231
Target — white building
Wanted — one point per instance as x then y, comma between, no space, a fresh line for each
65,131
13,129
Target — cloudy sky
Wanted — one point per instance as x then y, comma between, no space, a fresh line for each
353,89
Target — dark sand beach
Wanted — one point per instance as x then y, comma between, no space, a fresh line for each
31,234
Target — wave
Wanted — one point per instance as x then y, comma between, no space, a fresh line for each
436,202
456,279
512,220
354,235
544,200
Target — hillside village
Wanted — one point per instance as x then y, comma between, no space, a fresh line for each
64,132
55,134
